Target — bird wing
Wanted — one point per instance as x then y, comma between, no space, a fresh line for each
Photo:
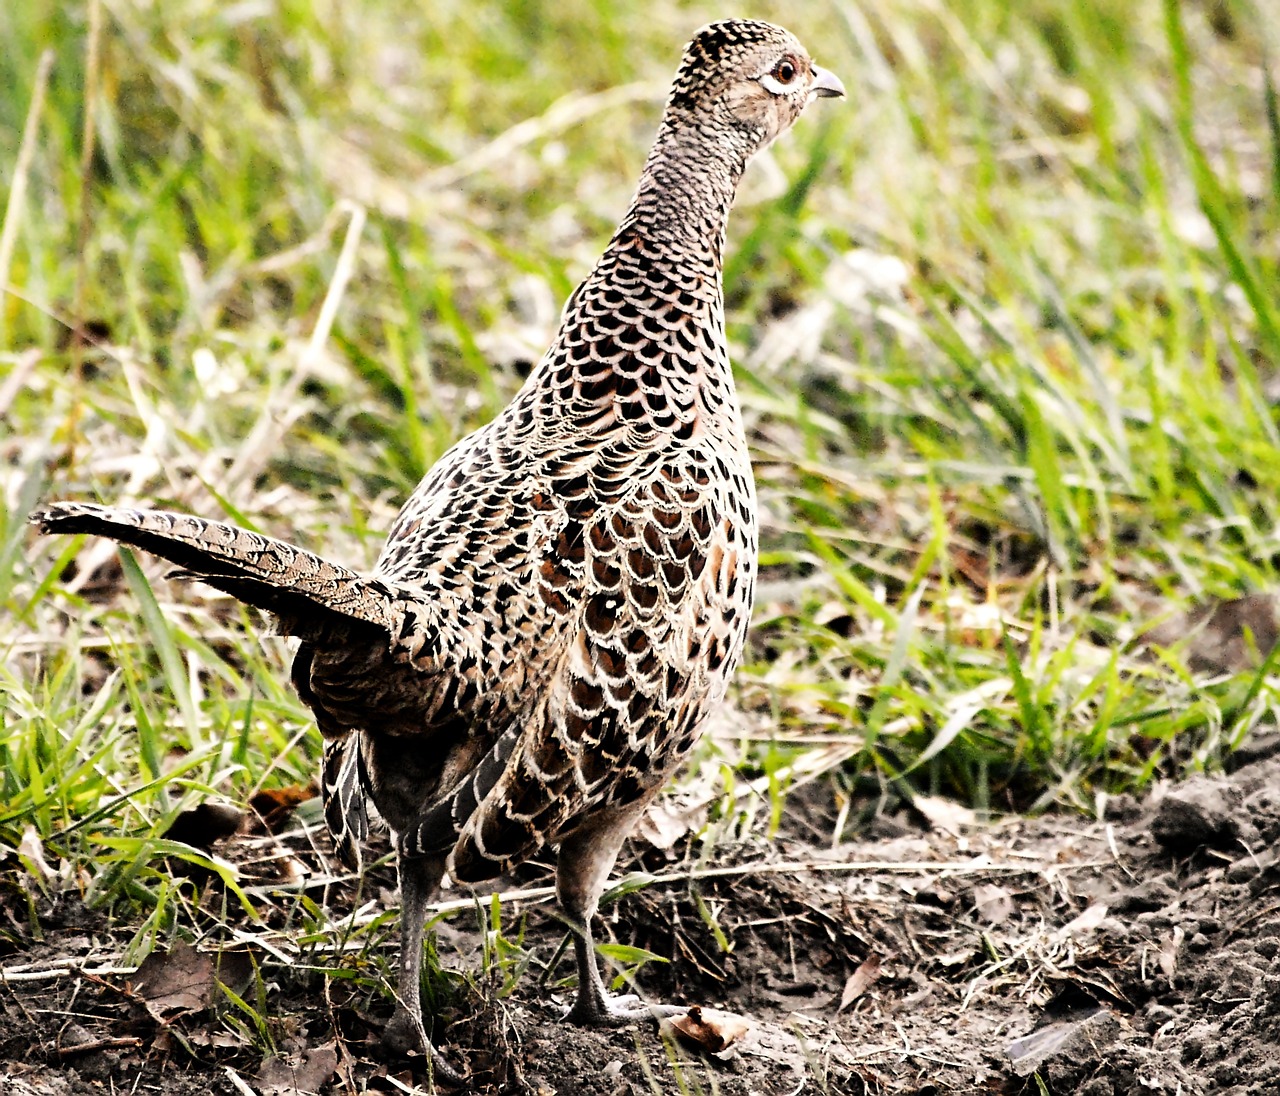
655,635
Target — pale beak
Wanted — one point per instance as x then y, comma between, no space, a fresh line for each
826,84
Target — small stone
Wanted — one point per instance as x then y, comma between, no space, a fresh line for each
1249,866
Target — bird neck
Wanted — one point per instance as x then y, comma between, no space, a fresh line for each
641,354
681,206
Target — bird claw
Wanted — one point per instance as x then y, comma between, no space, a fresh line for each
618,1011
405,1035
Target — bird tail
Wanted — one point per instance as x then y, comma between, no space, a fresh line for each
477,823
309,595
345,790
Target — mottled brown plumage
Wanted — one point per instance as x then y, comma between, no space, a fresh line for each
560,603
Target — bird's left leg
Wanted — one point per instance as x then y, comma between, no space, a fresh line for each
405,1032
582,867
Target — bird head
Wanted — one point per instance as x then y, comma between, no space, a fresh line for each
750,77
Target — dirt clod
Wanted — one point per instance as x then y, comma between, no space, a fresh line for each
1202,814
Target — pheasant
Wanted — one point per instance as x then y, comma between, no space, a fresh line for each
562,600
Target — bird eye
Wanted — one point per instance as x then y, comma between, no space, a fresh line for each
785,71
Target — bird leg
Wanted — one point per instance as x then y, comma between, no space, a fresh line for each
405,1032
583,865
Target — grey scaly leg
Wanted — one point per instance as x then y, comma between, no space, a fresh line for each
582,867
405,1033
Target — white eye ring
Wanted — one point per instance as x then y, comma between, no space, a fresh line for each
772,84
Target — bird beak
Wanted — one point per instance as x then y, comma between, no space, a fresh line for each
826,84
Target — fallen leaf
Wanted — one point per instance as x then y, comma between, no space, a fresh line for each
205,824
993,903
31,853
216,1039
662,825
859,981
955,958
1168,956
184,980
1031,1051
298,1074
289,870
935,895
709,1029
276,805
1084,922
1067,1026
671,816
176,981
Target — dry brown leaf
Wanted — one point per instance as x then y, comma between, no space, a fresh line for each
993,903
205,824
217,1039
175,982
184,980
711,1030
859,981
275,806
298,1074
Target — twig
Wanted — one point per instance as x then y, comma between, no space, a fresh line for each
26,149
561,115
286,954
241,1085
23,367
92,64
98,1044
17,974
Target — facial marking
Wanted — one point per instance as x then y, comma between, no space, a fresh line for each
781,79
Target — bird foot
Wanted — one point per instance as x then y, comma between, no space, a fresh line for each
404,1035
617,1011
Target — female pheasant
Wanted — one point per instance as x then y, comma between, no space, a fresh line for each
560,603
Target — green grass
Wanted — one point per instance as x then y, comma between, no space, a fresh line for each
1006,329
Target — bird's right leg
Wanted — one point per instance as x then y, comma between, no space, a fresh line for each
419,880
582,867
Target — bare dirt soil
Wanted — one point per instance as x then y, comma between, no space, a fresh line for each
1133,956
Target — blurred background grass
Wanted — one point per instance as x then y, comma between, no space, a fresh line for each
1005,325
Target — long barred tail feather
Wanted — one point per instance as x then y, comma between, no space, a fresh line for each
309,594
311,597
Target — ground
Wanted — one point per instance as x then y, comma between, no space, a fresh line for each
1133,955
1006,335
